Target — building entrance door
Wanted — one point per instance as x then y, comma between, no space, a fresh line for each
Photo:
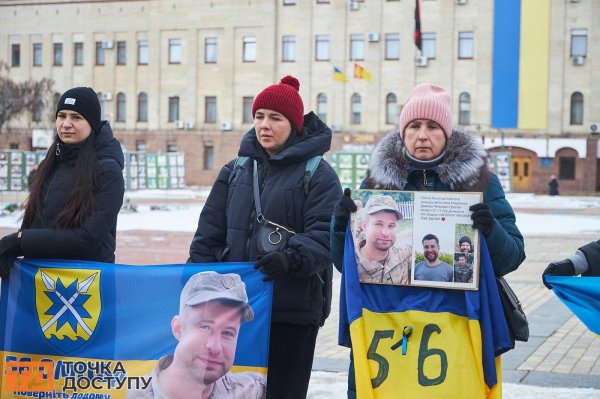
521,173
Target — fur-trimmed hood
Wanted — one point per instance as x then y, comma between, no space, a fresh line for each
462,168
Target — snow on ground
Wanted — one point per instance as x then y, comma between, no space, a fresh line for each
325,385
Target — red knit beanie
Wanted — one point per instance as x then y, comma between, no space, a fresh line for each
427,101
283,98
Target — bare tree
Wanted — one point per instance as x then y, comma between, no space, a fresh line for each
18,97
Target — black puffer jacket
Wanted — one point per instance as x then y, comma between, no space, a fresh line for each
96,239
227,227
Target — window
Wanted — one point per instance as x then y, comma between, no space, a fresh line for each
121,107
209,156
78,53
210,109
210,50
578,42
142,52
37,113
99,54
142,115
289,48
322,107
173,109
15,51
37,54
428,40
464,108
566,168
357,47
140,145
391,109
392,46
249,49
322,47
577,108
171,146
174,51
58,54
121,52
465,45
247,109
355,109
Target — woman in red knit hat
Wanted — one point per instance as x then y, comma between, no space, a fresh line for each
279,148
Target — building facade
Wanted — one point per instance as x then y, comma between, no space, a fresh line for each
182,75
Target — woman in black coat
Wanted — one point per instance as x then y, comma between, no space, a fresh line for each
72,209
281,143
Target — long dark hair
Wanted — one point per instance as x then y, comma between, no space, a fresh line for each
80,201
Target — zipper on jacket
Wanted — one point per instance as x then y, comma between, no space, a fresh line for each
57,149
424,178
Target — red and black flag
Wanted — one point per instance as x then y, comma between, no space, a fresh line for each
418,41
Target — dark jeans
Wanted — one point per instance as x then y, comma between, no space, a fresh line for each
351,378
291,352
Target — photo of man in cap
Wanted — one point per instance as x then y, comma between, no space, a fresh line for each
379,260
211,309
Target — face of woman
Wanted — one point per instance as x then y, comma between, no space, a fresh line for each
424,139
72,128
272,130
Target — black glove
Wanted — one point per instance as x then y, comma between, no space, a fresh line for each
482,217
342,210
274,264
560,268
7,261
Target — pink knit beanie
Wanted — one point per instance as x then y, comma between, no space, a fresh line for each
283,98
427,101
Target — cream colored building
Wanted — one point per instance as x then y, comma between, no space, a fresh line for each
181,75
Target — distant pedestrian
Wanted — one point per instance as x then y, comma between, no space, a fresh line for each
553,185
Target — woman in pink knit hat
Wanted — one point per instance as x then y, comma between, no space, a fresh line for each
295,195
426,153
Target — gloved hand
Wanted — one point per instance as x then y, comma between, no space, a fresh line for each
482,217
274,265
560,268
10,244
342,210
7,261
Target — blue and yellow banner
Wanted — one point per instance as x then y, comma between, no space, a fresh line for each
581,295
521,64
423,342
85,329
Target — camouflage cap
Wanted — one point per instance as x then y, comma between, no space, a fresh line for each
377,203
207,286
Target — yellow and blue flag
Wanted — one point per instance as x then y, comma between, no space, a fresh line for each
581,295
423,342
96,328
338,75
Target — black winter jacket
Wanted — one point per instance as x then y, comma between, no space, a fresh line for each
227,227
95,240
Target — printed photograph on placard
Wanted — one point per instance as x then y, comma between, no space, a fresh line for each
382,232
441,233
416,238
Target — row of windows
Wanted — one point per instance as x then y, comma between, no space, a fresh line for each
210,108
322,48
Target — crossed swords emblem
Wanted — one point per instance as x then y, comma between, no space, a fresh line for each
82,288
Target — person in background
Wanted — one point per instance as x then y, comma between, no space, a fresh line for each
280,144
553,186
585,261
72,209
426,153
